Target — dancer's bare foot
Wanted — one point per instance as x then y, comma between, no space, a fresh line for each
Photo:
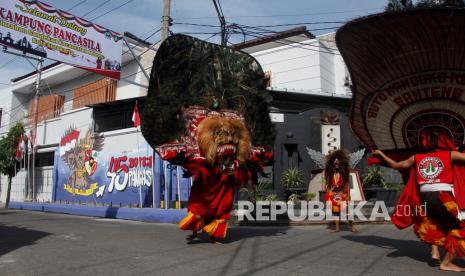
191,237
353,230
435,257
214,240
337,226
451,267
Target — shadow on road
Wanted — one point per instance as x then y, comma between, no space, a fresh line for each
12,238
401,248
9,212
240,233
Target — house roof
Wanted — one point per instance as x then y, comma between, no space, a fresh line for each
298,31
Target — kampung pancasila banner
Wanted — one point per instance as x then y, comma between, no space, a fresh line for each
37,28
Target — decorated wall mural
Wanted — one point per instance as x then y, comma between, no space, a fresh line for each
89,169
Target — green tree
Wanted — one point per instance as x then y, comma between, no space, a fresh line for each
439,3
8,162
399,5
402,5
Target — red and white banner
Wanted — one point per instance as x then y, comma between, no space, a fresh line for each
37,28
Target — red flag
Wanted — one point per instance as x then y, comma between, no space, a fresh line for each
18,148
136,117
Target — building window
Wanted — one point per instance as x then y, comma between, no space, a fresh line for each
114,116
44,159
50,106
101,91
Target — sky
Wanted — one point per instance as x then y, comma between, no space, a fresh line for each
143,18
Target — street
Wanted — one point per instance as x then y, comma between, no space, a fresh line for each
36,243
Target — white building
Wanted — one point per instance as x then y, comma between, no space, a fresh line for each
297,61
72,97
306,74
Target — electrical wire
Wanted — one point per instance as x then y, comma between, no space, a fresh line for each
96,8
282,15
112,10
77,5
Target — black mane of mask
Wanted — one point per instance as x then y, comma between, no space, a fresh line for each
187,71
344,167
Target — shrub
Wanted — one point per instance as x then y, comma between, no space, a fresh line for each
292,178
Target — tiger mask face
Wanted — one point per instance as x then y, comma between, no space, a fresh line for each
222,140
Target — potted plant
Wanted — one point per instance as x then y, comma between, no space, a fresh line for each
308,196
292,181
376,188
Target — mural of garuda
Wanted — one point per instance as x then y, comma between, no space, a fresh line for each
206,107
81,156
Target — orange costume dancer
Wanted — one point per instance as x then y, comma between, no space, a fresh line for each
206,107
336,175
429,193
226,161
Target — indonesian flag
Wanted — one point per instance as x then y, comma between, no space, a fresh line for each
68,142
136,117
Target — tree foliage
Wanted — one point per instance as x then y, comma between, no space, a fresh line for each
402,5
8,146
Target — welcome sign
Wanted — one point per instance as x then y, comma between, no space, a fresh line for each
37,28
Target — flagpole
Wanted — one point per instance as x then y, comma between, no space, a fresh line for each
136,121
140,182
28,166
178,178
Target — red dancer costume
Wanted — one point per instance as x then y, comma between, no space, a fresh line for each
206,106
336,176
431,184
222,162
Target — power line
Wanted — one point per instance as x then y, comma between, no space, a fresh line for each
282,15
112,10
294,44
8,62
289,42
302,23
77,5
96,8
267,26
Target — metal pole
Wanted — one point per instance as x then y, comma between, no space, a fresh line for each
219,11
153,178
137,177
178,183
34,132
28,170
166,185
136,59
165,29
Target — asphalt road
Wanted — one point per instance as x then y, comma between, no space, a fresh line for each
35,243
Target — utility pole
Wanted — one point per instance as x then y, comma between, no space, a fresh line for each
166,20
30,192
34,131
219,11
